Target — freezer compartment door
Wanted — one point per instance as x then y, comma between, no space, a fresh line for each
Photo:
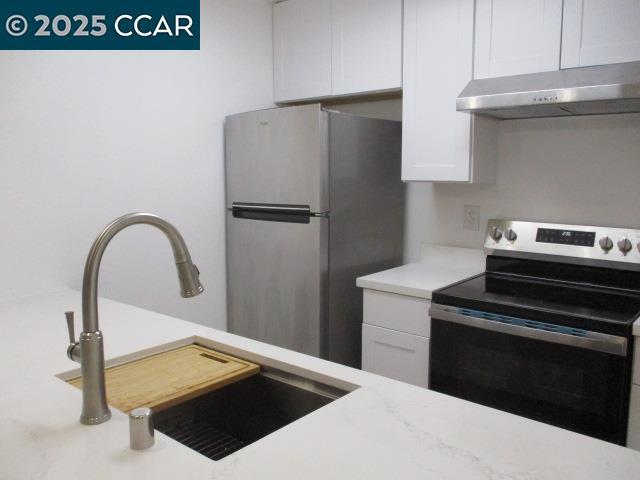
277,281
278,156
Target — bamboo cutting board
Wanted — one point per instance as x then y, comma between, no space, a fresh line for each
172,377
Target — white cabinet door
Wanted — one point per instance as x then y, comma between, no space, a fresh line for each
517,36
440,144
597,32
302,49
396,355
366,45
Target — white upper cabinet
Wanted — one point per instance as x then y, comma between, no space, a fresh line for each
366,45
597,32
325,48
440,144
514,37
302,49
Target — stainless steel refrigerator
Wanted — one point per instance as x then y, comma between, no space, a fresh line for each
314,200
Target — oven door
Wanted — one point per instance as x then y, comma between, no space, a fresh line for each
565,377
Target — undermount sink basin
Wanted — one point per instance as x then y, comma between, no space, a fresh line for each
221,422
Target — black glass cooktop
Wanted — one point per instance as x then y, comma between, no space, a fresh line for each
597,308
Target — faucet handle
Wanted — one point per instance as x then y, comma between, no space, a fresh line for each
73,350
71,326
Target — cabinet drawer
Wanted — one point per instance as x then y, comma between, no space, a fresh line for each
397,312
633,435
396,355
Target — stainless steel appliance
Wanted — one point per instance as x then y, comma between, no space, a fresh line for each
594,90
546,331
315,200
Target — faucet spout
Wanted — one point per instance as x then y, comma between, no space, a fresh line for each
94,406
187,271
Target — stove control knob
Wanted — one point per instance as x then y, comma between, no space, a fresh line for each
624,244
510,234
606,243
495,234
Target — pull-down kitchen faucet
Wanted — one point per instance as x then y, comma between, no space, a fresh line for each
89,351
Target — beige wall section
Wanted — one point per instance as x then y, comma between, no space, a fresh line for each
389,108
583,170
88,136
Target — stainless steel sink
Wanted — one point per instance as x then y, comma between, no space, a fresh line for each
224,421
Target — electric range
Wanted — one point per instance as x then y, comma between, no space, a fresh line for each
546,331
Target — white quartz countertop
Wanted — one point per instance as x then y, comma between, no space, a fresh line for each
384,429
440,266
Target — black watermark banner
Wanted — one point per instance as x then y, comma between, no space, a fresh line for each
99,25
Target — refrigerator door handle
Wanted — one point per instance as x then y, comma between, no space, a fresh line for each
271,212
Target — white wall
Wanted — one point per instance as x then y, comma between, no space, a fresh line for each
582,170
88,136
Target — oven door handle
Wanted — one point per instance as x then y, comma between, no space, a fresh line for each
600,342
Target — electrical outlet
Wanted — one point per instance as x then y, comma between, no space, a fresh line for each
471,218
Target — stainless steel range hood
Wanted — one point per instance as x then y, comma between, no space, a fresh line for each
576,91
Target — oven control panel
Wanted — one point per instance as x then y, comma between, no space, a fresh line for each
566,237
605,246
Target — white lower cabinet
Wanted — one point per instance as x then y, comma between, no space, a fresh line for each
397,355
395,336
633,434
636,367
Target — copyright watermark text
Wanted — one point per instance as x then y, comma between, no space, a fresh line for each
164,25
